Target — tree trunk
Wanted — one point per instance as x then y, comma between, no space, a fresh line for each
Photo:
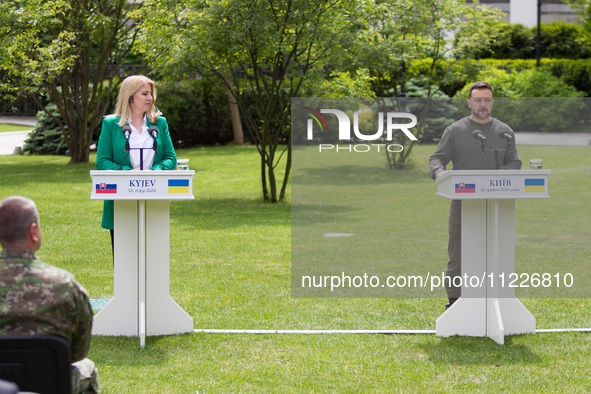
235,113
78,93
287,172
272,183
264,175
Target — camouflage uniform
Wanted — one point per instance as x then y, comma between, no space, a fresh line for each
39,299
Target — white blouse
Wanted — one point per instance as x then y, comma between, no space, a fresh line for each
141,140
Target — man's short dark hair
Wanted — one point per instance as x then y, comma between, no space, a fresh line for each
481,85
16,216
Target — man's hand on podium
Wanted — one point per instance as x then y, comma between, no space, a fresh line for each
441,173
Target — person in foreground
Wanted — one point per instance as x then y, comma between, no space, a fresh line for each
135,108
40,299
460,146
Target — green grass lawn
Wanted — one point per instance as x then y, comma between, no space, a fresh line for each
230,268
10,127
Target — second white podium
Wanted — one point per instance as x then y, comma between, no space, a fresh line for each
488,306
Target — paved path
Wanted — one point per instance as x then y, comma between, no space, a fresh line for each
568,139
19,120
11,139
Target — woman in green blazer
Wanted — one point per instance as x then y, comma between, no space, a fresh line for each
135,108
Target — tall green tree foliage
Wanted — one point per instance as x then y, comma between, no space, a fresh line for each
583,8
399,31
104,34
26,58
265,47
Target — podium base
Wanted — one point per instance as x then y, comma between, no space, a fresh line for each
486,317
120,318
142,305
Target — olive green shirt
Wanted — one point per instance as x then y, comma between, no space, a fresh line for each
464,151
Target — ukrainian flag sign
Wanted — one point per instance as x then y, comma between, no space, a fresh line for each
535,185
178,186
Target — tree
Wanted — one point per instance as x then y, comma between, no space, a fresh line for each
104,36
25,63
400,31
583,8
267,49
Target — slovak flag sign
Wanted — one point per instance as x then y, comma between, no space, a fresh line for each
106,188
465,187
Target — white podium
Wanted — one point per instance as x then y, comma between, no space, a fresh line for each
142,304
488,306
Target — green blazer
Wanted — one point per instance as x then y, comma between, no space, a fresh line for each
111,153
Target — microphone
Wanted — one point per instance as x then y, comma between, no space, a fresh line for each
153,131
505,134
478,135
126,130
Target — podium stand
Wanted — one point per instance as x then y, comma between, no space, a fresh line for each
142,304
488,306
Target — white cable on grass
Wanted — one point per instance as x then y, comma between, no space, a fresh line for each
221,331
383,332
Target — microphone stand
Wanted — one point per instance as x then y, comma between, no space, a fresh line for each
508,150
497,164
496,150
126,150
141,156
497,159
154,148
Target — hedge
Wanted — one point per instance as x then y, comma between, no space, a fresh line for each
453,75
558,39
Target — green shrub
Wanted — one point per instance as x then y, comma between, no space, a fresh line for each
46,138
453,75
561,40
197,112
435,113
525,83
558,39
576,73
533,100
343,84
514,41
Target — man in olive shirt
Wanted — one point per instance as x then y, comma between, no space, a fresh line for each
464,151
40,299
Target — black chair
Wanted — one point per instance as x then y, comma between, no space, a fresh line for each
40,364
8,387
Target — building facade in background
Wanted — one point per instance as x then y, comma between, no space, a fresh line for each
526,11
